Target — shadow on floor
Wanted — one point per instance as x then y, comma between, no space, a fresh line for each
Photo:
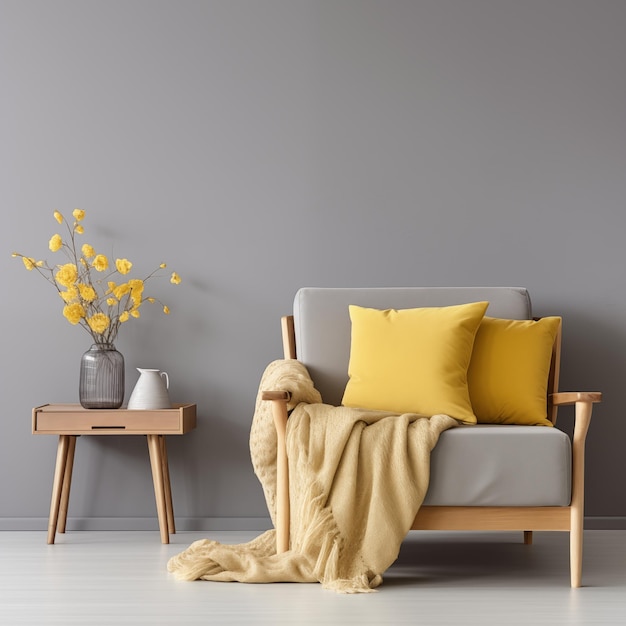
449,558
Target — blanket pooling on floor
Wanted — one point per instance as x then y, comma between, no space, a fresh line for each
357,479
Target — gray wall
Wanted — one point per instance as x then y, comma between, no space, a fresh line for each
261,146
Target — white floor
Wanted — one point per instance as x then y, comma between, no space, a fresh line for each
117,578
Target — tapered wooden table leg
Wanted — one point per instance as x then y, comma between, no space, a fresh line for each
156,461
168,489
67,484
57,485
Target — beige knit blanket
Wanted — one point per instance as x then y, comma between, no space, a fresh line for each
357,480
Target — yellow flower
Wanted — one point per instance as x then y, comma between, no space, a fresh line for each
98,322
67,275
121,290
100,263
136,290
69,295
123,265
88,251
74,312
96,303
55,243
87,292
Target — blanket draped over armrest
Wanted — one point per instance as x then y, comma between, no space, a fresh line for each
357,479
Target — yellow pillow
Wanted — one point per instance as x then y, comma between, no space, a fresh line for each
508,373
413,360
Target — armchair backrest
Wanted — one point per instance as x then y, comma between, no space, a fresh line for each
322,327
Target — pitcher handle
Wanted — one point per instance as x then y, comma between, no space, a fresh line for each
167,379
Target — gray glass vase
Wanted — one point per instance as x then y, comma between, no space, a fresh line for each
101,377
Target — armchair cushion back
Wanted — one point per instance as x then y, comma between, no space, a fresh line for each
322,323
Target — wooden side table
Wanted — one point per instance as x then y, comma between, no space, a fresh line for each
72,420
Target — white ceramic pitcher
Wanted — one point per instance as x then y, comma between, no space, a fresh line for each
150,392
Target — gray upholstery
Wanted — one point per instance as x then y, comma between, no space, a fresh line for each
497,465
322,322
484,465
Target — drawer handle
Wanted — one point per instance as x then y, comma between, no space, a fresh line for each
108,427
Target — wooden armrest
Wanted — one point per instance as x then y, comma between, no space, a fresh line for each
583,402
276,395
572,397
279,400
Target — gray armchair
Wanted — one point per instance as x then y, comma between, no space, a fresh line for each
483,477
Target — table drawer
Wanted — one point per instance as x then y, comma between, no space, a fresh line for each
73,419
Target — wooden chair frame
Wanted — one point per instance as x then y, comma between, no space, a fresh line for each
527,519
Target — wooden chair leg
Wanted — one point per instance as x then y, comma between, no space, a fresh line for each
280,414
583,417
67,484
57,485
576,555
154,447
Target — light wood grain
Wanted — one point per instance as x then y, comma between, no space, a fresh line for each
67,484
279,412
57,485
71,420
156,462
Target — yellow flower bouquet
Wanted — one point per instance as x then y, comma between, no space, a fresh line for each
92,298
95,298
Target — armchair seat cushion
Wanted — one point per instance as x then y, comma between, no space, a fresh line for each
501,465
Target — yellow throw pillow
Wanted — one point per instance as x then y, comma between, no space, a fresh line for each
508,373
413,360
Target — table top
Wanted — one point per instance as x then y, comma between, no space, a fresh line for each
73,419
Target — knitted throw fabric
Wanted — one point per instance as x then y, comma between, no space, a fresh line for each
357,479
